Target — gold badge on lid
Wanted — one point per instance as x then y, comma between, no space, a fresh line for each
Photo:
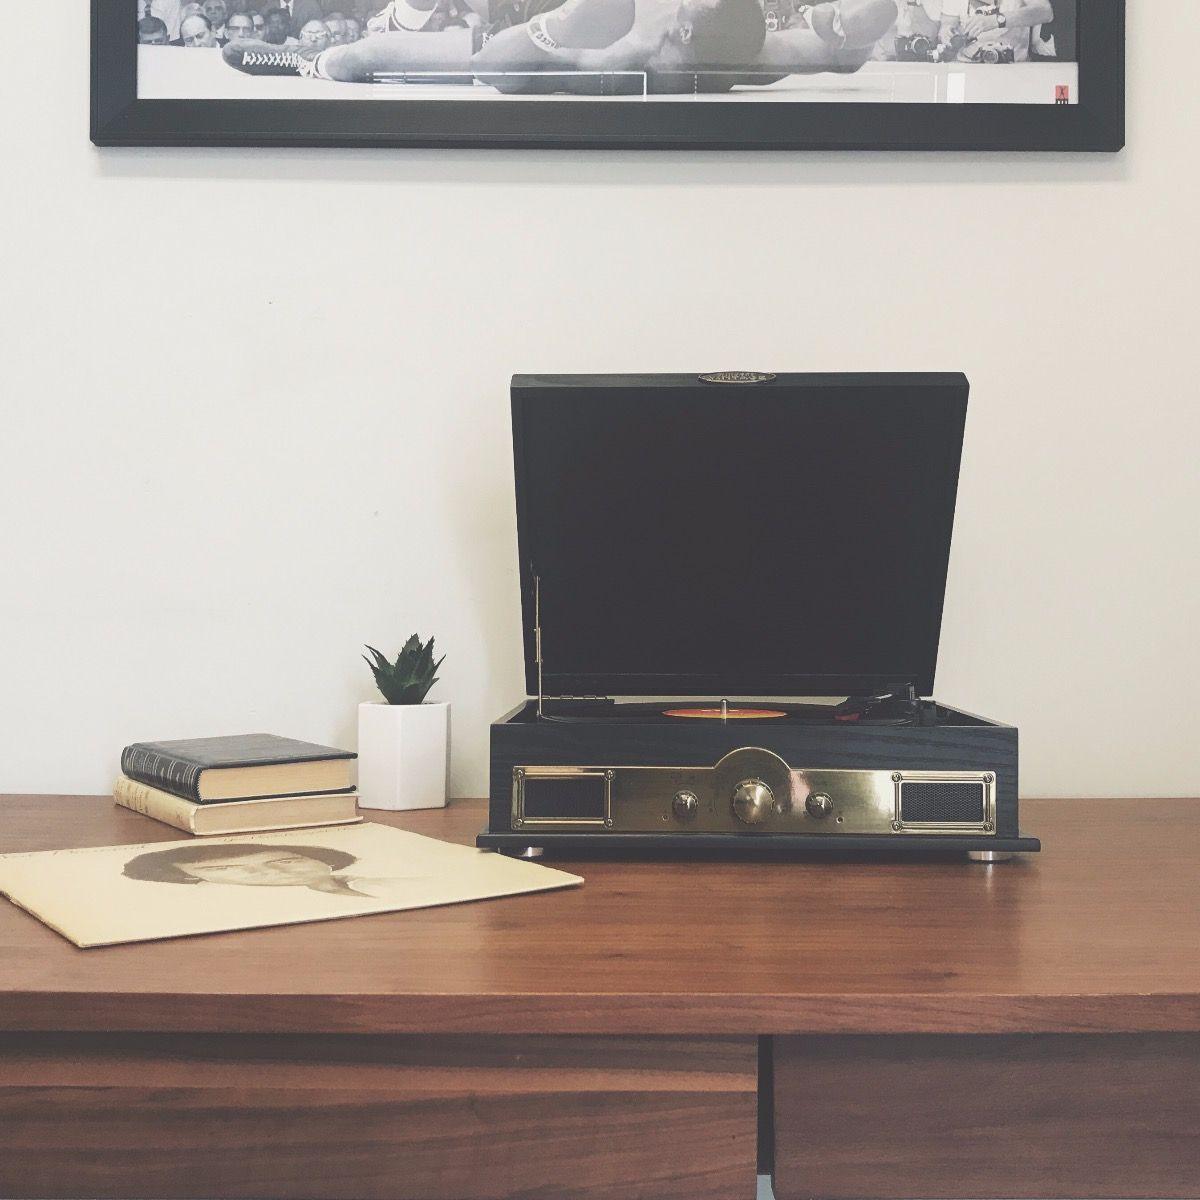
737,377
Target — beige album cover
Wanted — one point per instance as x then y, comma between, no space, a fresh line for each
107,895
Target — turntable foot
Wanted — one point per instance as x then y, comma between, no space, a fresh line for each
989,856
531,852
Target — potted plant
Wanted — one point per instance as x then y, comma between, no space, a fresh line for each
403,740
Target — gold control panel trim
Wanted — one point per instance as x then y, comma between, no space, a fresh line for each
826,801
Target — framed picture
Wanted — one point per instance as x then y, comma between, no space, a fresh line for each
617,74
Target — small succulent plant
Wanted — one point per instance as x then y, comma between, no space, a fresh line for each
409,678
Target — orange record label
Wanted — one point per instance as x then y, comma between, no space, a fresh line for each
732,714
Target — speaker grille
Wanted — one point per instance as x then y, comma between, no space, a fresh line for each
940,803
564,798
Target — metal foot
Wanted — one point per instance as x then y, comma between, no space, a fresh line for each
531,852
990,856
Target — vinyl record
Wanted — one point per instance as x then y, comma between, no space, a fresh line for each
729,714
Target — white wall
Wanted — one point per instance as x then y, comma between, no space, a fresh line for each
255,408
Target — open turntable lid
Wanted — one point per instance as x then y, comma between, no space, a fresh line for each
787,537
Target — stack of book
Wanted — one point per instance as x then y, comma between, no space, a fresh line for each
245,784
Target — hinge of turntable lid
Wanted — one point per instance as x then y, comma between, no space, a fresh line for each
538,660
537,638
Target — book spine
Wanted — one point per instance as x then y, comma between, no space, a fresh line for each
151,802
162,771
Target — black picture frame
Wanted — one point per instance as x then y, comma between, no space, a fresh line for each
1096,123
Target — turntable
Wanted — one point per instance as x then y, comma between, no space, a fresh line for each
732,593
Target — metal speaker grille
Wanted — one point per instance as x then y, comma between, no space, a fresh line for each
571,798
937,803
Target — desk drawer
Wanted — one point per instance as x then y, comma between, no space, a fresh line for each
972,1117
390,1117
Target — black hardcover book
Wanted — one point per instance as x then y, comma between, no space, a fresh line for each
242,767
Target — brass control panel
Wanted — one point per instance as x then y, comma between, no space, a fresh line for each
752,791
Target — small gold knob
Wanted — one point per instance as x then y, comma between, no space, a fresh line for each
685,804
819,805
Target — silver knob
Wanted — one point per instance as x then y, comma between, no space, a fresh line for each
685,804
819,805
752,801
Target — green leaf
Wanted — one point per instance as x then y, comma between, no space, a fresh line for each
409,679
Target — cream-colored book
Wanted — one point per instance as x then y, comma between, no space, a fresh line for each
242,816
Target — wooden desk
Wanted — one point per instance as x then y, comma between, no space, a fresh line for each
1042,1023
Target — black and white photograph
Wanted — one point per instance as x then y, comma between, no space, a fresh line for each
645,74
841,51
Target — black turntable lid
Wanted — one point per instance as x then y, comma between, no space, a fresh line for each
786,537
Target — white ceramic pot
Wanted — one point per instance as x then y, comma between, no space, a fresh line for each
403,755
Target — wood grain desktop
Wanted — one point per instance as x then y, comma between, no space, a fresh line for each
907,1029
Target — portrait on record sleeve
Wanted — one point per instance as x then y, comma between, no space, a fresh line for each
112,894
